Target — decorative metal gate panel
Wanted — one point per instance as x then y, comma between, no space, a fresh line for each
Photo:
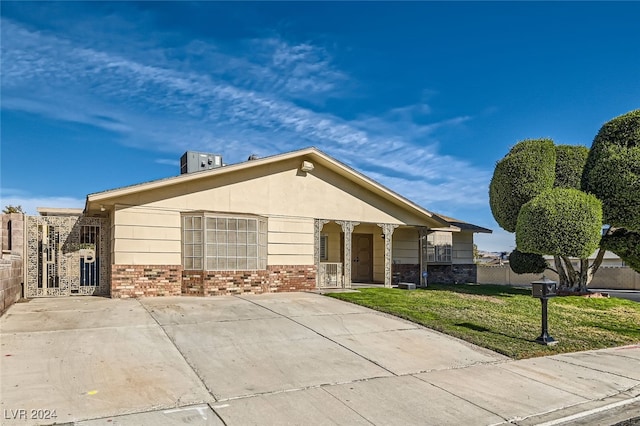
330,275
66,255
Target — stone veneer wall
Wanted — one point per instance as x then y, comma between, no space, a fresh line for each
406,273
172,280
452,274
145,280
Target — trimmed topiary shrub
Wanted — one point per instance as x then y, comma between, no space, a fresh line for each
570,161
527,263
625,244
526,171
612,170
560,222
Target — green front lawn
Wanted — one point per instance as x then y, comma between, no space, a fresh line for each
507,319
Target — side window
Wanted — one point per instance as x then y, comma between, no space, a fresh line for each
324,249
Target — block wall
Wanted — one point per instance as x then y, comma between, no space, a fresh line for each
612,278
11,259
10,281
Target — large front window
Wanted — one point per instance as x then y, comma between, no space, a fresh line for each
216,242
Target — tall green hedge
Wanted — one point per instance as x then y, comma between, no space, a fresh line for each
612,170
560,221
526,171
570,161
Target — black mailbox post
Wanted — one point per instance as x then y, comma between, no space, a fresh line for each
543,289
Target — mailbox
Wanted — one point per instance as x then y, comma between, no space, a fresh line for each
543,288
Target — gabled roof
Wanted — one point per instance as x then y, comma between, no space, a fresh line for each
309,154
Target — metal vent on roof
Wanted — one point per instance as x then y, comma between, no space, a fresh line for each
192,161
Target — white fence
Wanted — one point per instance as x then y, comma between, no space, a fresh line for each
613,278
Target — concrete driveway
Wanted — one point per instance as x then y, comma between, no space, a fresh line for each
296,358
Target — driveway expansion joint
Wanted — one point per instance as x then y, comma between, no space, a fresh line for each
323,336
186,360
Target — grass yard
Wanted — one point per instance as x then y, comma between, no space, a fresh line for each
507,319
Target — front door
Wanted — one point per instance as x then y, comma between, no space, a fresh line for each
362,258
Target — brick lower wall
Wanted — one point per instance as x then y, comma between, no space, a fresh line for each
452,274
276,278
406,273
172,280
145,280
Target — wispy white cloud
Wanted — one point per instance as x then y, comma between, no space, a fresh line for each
30,202
240,102
168,162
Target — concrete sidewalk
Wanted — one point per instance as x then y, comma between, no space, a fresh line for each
295,358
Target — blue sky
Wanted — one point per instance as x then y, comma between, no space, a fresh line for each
424,97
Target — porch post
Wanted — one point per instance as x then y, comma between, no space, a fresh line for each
422,240
387,230
317,230
347,229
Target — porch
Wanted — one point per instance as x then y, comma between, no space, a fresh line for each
351,254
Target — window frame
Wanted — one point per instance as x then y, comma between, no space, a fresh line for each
223,241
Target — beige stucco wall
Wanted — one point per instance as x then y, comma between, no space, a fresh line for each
406,246
290,241
278,189
462,248
147,229
146,236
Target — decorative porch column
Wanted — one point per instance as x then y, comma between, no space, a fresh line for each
347,229
422,232
387,230
317,231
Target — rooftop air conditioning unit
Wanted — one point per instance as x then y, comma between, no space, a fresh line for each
192,161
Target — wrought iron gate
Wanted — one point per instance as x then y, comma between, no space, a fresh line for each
330,275
66,255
